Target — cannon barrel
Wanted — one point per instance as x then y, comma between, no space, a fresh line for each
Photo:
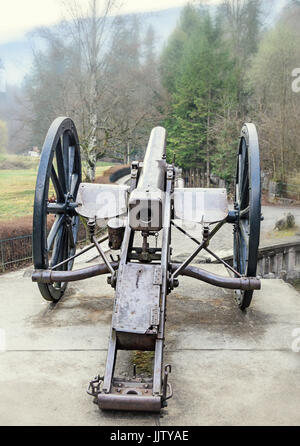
146,201
153,173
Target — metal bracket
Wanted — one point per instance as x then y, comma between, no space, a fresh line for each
167,388
106,261
205,234
195,253
94,388
134,175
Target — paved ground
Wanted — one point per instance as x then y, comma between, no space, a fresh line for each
229,368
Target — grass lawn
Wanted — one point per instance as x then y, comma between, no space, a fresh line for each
17,188
16,193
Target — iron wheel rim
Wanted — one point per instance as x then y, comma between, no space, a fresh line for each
248,208
60,166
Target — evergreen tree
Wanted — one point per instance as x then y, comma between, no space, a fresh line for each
170,63
205,75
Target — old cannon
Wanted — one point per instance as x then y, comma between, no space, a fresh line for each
137,215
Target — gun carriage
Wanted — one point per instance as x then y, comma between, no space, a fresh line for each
143,276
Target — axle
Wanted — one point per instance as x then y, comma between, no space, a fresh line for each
233,283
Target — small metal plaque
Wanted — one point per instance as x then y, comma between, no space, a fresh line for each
157,276
155,316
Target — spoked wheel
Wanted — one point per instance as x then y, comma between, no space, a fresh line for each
248,207
55,222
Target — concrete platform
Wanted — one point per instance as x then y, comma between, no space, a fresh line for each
229,368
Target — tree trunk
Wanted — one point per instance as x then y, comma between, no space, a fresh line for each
91,167
207,142
93,118
128,152
91,150
90,174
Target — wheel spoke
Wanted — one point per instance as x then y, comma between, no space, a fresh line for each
244,155
244,197
71,165
245,212
244,232
74,185
60,166
57,185
242,253
236,260
70,236
66,157
71,162
58,246
75,228
66,249
240,170
238,243
54,230
62,254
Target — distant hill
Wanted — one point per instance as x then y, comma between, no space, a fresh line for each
17,55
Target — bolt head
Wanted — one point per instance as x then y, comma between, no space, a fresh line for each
176,283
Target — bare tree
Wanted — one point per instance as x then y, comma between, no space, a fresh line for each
276,106
90,31
94,70
135,88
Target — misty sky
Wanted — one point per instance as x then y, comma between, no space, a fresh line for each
20,16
